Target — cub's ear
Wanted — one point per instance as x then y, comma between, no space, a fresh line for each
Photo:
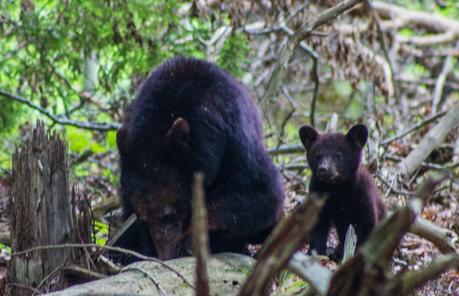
178,135
358,135
308,135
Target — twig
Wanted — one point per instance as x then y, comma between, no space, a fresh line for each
108,264
451,84
46,278
286,149
297,11
404,16
428,165
126,225
439,85
391,187
59,119
83,272
413,128
286,52
384,47
115,249
289,115
315,77
200,236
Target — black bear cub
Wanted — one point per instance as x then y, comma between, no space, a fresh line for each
191,116
353,199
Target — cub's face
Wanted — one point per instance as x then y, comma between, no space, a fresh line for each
333,158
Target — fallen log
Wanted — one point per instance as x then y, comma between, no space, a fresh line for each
229,271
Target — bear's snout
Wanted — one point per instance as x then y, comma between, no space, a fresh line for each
327,170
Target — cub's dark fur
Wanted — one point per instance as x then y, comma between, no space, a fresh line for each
353,199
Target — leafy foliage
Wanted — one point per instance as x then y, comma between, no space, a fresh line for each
85,59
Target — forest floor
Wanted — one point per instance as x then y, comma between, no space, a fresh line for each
413,253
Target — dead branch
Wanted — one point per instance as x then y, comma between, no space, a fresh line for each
83,273
433,138
286,239
126,225
440,237
95,246
200,237
440,84
286,52
354,61
406,283
426,121
62,119
286,149
448,28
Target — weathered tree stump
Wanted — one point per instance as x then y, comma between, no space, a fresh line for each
42,212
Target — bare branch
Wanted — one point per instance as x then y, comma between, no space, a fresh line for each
434,137
288,48
406,283
440,84
59,119
278,248
437,235
95,246
200,237
403,17
413,128
286,149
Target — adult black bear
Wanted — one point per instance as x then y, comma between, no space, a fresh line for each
191,116
335,162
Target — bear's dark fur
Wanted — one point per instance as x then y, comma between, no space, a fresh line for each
191,116
335,162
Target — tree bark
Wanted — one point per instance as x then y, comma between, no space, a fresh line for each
42,212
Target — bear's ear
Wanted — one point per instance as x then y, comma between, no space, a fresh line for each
358,135
178,135
308,135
